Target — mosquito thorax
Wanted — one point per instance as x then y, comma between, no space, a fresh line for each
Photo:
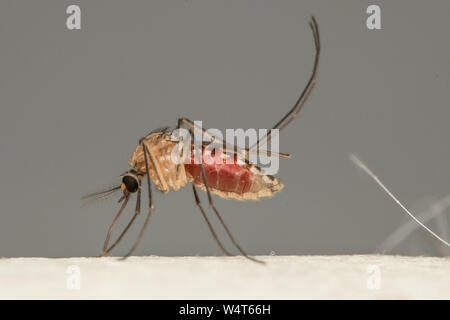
130,182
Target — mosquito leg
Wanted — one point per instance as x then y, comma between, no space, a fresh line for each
212,205
147,171
292,114
211,229
139,238
136,213
137,210
150,199
111,227
156,166
121,199
180,150
180,165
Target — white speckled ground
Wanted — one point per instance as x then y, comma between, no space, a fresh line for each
283,277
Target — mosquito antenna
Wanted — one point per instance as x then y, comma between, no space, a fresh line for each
364,167
98,195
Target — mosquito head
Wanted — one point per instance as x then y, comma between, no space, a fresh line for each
130,181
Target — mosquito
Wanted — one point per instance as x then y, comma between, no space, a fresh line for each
239,180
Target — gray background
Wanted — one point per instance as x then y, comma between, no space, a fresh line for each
75,103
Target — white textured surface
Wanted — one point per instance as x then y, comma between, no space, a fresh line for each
283,277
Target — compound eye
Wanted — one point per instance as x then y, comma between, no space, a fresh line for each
130,183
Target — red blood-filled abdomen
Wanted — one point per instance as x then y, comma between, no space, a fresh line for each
237,180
